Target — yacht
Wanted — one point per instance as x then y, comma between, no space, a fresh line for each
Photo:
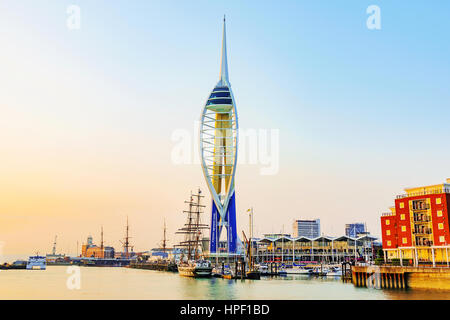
298,270
263,269
334,272
318,271
282,271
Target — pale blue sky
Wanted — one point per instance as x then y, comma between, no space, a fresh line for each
361,113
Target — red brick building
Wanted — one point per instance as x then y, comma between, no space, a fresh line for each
417,228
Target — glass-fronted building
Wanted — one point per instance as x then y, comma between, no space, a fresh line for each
307,228
355,229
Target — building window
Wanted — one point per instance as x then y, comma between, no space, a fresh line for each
439,213
440,226
438,200
389,243
404,240
402,205
403,228
388,232
219,95
402,217
218,101
442,239
388,222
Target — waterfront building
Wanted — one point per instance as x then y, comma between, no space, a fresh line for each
355,229
288,250
218,149
306,228
90,250
417,227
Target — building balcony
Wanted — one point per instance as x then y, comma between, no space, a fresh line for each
424,244
422,232
421,208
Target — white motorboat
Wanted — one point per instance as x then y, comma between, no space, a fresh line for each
263,269
297,270
334,272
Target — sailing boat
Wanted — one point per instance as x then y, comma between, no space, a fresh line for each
193,264
253,272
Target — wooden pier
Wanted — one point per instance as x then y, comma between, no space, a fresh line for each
397,277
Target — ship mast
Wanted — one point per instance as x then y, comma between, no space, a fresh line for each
54,247
197,220
126,242
164,242
101,242
192,229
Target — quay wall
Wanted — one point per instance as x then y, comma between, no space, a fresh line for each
401,277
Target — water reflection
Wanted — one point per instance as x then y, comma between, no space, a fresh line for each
123,283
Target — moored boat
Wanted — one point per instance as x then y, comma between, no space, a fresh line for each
196,269
298,270
36,263
334,272
318,272
192,263
253,275
19,264
263,270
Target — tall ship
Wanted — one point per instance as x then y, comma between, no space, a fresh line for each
192,262
157,259
105,256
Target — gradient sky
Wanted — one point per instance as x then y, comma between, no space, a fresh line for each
87,115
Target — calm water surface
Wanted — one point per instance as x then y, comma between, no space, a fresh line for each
124,283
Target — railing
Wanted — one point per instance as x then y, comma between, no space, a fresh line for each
424,193
424,219
424,244
385,214
421,206
422,232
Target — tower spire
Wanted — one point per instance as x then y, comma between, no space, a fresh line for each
224,62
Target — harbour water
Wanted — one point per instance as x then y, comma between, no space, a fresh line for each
127,283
